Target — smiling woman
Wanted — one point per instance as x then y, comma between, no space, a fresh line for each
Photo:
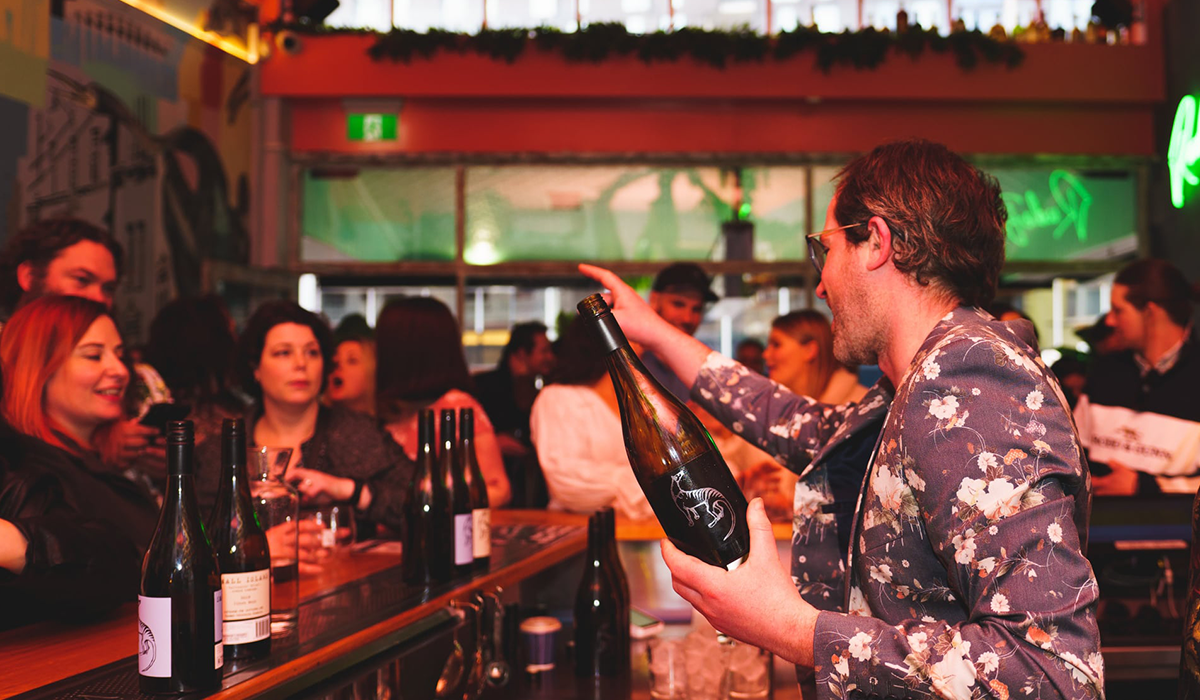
64,384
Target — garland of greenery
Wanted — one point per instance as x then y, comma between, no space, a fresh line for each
597,42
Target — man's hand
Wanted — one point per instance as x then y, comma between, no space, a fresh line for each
638,321
642,326
757,603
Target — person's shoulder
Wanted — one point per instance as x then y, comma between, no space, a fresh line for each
457,398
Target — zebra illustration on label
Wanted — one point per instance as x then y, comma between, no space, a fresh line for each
710,499
147,651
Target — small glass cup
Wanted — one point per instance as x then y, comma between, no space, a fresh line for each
337,526
277,504
749,671
668,675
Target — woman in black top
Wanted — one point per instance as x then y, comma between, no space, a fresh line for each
340,456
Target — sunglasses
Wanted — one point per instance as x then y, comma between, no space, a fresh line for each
817,250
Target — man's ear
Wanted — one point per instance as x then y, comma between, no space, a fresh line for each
25,276
878,243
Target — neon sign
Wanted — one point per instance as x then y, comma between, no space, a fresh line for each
1184,151
1068,208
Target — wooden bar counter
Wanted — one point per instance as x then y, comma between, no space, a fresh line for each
356,608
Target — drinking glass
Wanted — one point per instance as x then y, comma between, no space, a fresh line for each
337,526
277,504
749,671
668,677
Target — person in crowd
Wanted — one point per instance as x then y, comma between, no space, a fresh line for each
64,381
576,428
75,258
507,392
1006,312
55,562
749,352
1071,370
426,368
352,383
1100,337
678,295
340,456
799,356
1139,415
965,575
192,342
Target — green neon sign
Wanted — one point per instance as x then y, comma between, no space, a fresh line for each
371,127
1184,151
1067,209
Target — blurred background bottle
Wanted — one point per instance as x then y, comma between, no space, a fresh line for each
481,513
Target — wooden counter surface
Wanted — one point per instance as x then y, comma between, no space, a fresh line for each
37,655
638,530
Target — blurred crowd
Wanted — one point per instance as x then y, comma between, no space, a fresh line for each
81,449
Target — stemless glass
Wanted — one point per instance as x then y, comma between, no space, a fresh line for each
277,504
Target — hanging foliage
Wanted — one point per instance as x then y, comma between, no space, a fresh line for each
595,43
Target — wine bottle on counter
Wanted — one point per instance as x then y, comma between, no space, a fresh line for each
460,498
620,581
598,611
481,513
179,605
242,553
693,494
427,512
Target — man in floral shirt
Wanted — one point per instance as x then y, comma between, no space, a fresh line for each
965,575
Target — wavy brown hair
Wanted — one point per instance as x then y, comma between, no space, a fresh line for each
420,352
946,216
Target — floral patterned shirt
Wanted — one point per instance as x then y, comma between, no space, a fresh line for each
966,577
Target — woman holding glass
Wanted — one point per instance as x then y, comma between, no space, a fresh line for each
339,456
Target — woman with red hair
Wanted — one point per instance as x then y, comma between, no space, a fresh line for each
64,385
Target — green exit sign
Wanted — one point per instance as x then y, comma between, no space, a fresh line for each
371,127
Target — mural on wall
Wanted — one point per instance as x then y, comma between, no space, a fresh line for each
138,128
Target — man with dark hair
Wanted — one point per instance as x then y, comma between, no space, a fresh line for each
59,256
963,574
1138,417
679,295
507,392
74,258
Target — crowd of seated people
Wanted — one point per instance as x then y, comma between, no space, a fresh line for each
80,476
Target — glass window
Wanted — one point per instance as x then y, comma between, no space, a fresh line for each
377,215
628,212
455,15
376,14
594,212
638,16
532,13
1066,214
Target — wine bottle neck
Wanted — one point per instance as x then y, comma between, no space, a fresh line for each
609,333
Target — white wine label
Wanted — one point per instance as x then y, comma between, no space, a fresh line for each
247,600
481,537
246,595
218,629
464,552
154,637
